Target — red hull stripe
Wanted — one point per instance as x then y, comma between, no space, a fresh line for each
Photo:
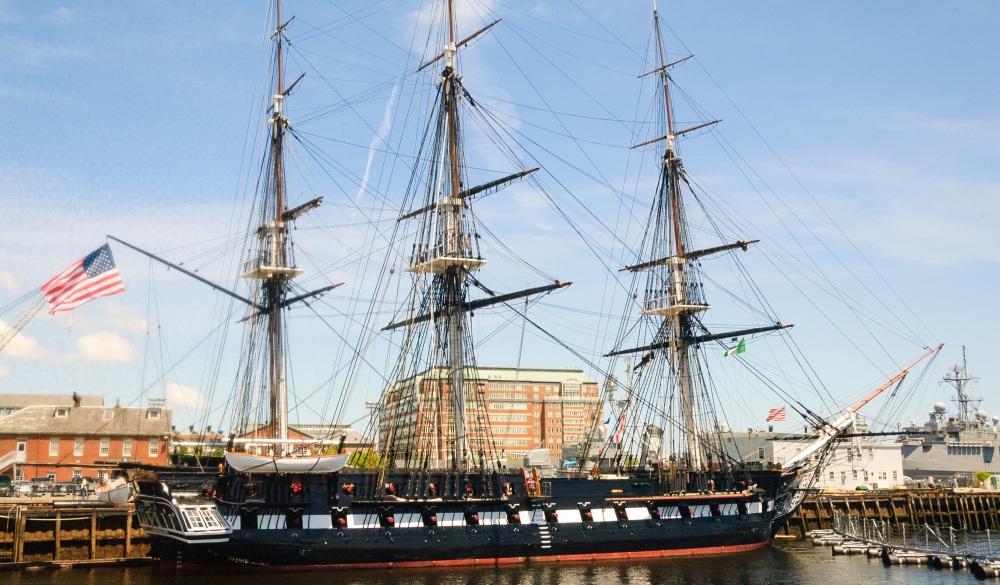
498,562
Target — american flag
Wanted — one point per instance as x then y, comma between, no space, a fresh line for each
776,415
620,428
92,276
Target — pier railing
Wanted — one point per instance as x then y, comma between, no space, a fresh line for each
919,538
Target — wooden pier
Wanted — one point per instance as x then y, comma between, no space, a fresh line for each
41,534
973,510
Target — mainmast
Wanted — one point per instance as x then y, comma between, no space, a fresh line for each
448,259
270,266
454,279
446,254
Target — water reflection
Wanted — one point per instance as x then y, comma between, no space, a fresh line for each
787,562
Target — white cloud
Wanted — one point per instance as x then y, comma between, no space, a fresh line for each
129,321
38,54
23,346
6,12
61,15
103,347
7,281
184,397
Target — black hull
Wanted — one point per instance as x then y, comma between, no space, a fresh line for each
483,545
344,520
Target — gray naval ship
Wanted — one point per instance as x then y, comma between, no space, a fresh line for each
952,446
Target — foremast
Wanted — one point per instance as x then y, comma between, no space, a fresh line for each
679,307
674,291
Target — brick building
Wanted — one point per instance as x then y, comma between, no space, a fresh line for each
525,410
66,437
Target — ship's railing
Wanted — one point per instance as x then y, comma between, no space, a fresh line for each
669,304
425,254
916,537
256,261
188,522
294,447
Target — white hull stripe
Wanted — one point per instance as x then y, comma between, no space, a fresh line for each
410,519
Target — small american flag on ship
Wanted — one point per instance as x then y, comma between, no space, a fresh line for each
776,415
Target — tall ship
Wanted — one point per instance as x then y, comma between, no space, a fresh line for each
952,445
433,487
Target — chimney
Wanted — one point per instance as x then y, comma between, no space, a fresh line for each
76,400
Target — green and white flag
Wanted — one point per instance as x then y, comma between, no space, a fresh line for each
741,348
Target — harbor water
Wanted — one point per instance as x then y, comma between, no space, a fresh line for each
786,562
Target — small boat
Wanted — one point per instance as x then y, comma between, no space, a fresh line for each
253,463
116,491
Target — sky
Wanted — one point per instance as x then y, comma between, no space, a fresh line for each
875,127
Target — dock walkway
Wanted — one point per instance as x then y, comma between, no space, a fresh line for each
58,532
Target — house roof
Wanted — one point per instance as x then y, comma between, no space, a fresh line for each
24,400
529,376
522,375
331,432
87,421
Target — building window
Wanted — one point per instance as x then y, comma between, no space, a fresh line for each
77,474
105,446
54,447
109,414
62,412
152,413
78,447
895,475
760,453
154,449
126,447
51,476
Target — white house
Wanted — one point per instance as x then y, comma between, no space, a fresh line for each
853,462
